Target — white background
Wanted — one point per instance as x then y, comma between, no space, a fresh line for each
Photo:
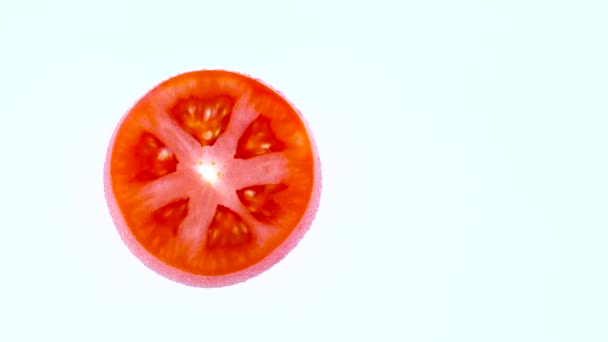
464,164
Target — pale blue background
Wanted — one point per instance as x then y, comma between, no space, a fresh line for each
464,153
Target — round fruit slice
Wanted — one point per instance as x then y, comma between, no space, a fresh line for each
212,178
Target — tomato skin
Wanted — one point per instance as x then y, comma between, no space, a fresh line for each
209,281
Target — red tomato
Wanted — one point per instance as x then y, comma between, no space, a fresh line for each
212,178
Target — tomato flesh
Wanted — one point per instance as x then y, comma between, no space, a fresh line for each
211,178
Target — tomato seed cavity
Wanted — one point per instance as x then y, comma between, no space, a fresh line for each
171,215
258,139
227,229
260,200
203,119
152,158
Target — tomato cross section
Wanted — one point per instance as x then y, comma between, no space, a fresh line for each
212,177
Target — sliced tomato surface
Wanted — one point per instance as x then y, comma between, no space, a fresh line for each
212,177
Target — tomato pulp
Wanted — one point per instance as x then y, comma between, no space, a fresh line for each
212,178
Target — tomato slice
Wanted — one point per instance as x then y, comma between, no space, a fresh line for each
212,178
